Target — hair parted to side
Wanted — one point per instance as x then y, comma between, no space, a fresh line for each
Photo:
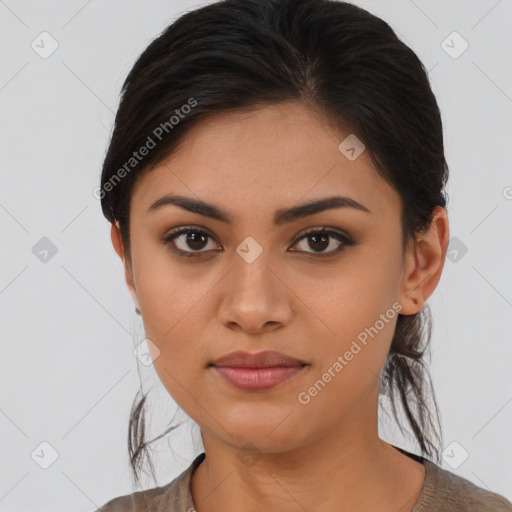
337,58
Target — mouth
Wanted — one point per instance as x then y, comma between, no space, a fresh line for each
257,372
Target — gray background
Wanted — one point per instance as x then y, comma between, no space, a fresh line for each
68,326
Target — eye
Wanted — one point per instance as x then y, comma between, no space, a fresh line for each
183,239
187,238
319,241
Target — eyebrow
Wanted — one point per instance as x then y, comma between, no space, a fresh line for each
281,216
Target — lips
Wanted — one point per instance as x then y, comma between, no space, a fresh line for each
266,359
257,372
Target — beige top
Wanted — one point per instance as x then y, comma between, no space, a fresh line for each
442,492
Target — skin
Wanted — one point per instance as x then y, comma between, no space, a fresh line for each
290,300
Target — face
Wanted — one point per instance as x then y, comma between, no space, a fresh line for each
328,299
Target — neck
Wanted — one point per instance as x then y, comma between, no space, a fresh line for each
348,468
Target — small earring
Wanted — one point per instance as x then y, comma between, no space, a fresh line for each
137,310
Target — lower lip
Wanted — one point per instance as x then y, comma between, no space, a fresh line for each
257,379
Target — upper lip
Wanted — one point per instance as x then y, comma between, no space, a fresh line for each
266,359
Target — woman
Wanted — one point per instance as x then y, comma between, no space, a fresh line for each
275,183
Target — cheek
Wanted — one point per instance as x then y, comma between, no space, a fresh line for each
168,293
360,312
351,300
350,367
171,327
172,305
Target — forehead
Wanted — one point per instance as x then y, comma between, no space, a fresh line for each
274,156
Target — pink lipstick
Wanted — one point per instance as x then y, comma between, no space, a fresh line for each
257,372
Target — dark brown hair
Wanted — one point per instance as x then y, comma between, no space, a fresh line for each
339,59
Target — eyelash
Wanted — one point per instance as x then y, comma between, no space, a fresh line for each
345,241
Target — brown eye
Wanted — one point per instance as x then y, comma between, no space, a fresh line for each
321,239
193,242
188,242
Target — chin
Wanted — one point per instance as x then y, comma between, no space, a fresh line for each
270,435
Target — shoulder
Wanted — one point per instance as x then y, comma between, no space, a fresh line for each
447,492
173,497
140,501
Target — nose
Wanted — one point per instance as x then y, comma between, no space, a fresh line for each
255,298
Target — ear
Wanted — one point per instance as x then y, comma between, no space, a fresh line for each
424,262
117,242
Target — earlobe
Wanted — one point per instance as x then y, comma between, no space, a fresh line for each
410,298
424,263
